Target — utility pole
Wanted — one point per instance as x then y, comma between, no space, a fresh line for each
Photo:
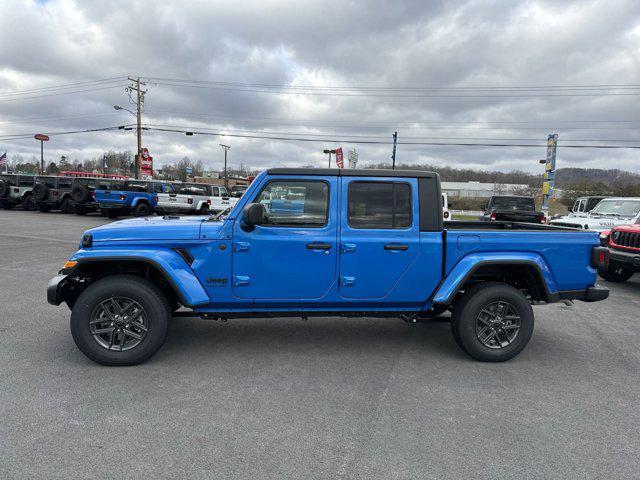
226,178
139,101
393,155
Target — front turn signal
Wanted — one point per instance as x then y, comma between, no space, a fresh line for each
70,264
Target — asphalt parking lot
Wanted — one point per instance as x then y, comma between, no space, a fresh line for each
322,398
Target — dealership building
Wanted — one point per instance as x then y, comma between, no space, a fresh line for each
480,190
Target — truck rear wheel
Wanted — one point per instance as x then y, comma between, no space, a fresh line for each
141,210
615,273
120,320
492,322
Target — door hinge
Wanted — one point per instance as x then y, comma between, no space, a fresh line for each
240,281
241,247
347,281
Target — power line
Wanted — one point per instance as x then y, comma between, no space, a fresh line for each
59,93
63,86
383,142
376,94
224,131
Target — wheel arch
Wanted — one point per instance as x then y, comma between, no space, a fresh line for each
528,273
167,269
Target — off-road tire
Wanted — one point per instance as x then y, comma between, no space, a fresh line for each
80,194
8,205
5,189
615,273
67,206
27,203
204,210
40,192
141,210
146,294
467,310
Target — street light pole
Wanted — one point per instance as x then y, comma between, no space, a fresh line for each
329,152
226,178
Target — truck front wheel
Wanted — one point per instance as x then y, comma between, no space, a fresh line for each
492,322
615,273
141,210
120,320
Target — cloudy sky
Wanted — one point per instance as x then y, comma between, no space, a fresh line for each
345,73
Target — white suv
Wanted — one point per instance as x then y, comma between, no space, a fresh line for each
609,213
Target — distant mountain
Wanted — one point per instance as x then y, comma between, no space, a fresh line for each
570,176
565,177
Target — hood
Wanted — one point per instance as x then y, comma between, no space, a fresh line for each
591,223
149,228
628,228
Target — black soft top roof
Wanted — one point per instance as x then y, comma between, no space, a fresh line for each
352,172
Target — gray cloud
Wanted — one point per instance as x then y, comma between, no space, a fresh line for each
337,43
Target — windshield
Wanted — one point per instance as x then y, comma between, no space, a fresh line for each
513,203
617,208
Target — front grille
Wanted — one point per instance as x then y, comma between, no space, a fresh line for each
625,239
567,225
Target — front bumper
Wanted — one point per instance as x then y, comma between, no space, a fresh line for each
594,293
56,289
630,260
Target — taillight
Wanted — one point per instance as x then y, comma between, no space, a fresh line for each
16,190
493,216
209,201
446,214
189,201
122,197
600,257
543,219
155,199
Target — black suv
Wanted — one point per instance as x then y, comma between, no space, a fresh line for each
53,193
15,190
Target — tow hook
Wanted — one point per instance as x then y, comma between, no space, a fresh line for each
568,303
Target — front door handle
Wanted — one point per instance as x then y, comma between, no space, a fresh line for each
395,246
319,246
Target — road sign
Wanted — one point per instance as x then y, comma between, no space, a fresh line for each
41,137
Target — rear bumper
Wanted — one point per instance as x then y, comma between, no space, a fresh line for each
630,260
595,293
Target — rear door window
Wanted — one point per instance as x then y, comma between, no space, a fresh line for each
379,205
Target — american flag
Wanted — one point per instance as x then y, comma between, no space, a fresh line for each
3,159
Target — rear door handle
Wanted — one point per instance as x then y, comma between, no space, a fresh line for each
319,246
395,246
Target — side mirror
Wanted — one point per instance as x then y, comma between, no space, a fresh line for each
253,214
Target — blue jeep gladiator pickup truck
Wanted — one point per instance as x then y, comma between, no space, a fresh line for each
304,242
139,197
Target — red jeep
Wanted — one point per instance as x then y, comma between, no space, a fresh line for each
624,252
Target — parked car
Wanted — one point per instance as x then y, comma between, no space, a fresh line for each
15,190
445,208
220,199
583,205
53,193
238,190
139,197
623,243
357,243
609,213
512,208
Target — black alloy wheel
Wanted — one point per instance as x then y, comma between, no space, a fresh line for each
119,323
